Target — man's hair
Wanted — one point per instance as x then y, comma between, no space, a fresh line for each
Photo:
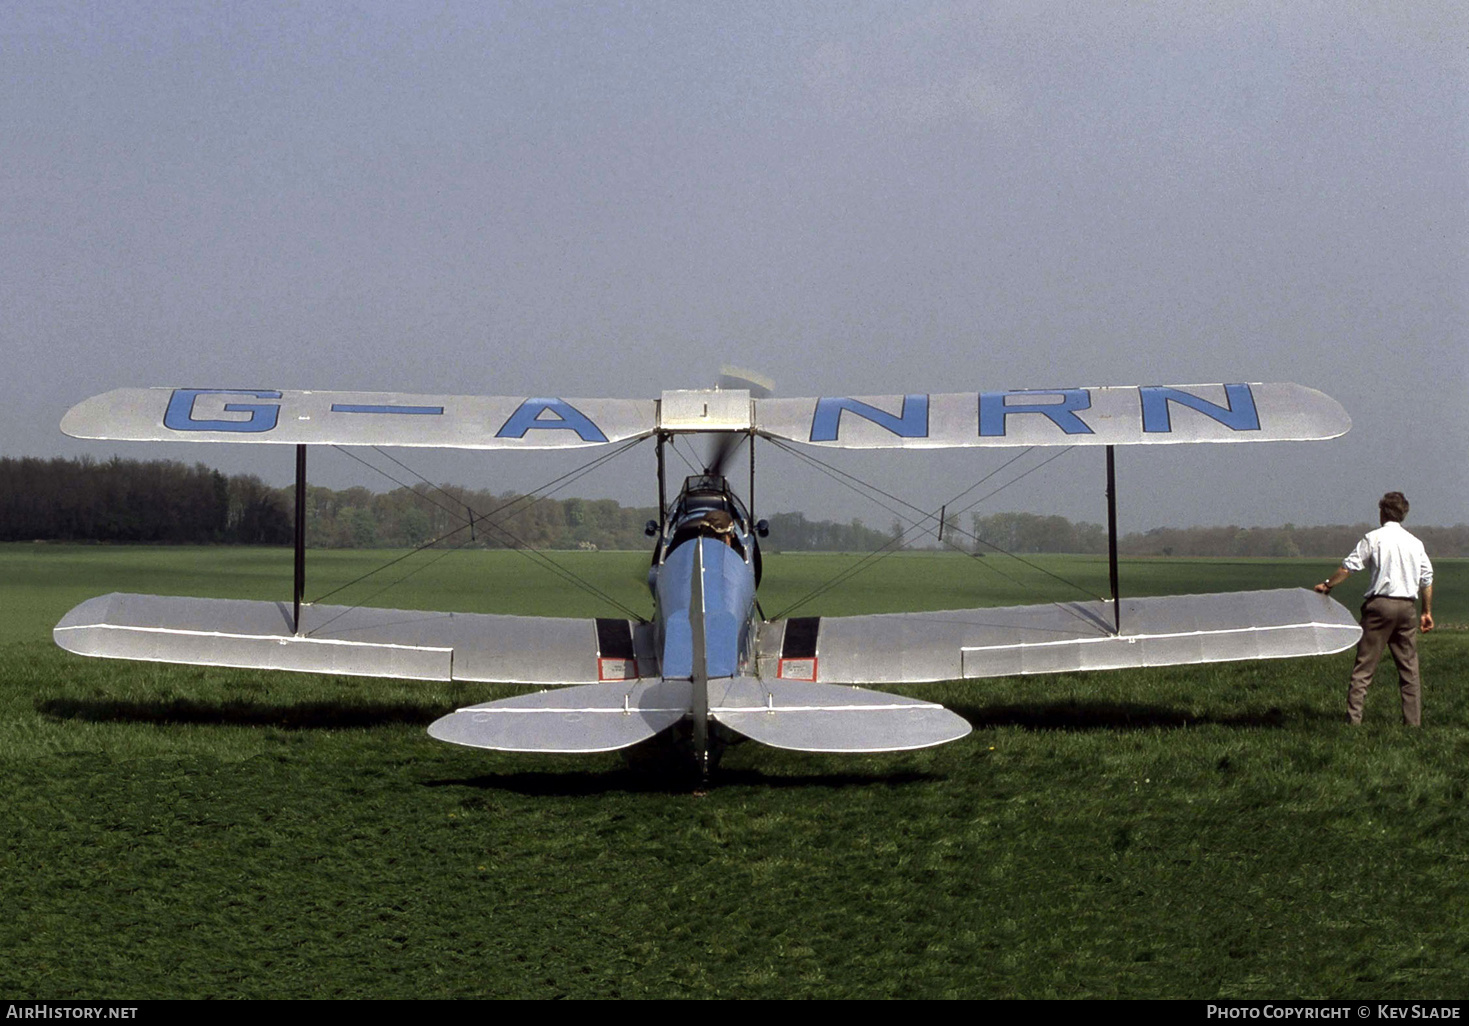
1393,506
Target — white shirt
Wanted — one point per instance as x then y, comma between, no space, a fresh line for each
1400,566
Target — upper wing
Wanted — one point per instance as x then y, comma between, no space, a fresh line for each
954,644
357,418
1151,414
359,641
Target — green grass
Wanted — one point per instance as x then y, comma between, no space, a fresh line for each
1190,832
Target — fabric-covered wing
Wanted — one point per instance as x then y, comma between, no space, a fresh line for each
357,418
1064,636
402,643
1151,414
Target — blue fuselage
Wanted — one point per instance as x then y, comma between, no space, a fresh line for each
707,526
729,601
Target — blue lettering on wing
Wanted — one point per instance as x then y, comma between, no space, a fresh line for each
358,408
1238,413
912,422
994,407
180,413
564,417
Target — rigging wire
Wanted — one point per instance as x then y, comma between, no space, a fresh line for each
693,467
536,555
476,518
393,583
559,482
871,558
857,484
922,523
992,545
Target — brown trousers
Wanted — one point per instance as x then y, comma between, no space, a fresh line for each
1390,622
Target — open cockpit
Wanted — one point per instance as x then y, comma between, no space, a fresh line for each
707,508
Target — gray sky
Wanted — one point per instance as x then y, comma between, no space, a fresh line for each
590,200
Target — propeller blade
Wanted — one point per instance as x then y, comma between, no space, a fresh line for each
723,448
759,387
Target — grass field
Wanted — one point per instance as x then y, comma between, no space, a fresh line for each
1193,832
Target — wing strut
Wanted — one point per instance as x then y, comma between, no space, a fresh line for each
752,477
1112,537
300,535
662,489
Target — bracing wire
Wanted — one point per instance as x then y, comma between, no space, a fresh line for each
693,467
476,518
857,484
396,581
973,537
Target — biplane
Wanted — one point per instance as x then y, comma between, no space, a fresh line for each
708,667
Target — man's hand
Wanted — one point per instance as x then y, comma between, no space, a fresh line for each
1425,622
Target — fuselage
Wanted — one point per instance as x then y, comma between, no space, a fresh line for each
706,526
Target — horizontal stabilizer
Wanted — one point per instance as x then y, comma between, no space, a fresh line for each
360,641
1166,630
825,718
591,718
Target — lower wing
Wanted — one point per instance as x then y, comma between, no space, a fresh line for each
359,641
1064,636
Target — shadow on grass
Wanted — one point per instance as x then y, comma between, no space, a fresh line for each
573,784
1129,716
335,716
304,716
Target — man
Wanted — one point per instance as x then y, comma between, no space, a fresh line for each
1401,573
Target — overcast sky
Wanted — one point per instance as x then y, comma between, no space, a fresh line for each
611,200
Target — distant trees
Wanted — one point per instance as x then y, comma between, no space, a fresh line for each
120,500
410,517
1029,533
1334,540
794,532
168,502
132,501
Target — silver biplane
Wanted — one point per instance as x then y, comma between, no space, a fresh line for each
708,666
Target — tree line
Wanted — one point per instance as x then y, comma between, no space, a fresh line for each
1031,533
161,501
449,515
120,500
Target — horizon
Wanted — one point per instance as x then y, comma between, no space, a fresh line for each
1410,522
